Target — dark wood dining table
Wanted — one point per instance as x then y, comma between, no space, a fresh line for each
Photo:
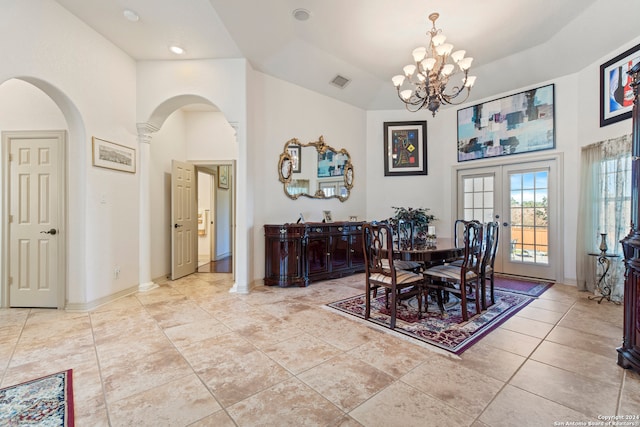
444,250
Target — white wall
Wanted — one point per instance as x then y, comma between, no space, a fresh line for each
283,111
168,144
24,106
93,84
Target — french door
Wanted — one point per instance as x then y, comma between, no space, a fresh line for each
523,197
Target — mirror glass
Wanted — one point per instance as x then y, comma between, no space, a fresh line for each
315,170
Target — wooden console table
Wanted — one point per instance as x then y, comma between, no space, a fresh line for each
298,254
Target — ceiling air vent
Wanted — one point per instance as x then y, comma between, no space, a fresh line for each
340,81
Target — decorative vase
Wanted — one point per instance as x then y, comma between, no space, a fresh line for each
603,243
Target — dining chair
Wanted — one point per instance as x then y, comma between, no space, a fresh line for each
404,239
459,279
491,238
458,232
381,271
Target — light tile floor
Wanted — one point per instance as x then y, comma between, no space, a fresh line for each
191,354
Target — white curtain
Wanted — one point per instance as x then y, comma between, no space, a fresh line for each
605,207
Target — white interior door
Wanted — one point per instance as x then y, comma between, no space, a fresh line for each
184,220
523,198
36,194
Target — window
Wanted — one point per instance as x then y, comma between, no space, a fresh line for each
605,208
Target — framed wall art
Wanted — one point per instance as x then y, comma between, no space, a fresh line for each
296,160
405,148
223,177
514,124
616,93
113,156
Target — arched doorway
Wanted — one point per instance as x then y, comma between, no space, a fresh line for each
34,265
189,129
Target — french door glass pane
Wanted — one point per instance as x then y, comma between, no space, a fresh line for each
529,217
478,198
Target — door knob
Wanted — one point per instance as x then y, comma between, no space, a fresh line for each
53,232
177,226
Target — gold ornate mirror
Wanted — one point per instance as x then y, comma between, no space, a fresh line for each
315,170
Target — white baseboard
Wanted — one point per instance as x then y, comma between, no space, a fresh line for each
88,306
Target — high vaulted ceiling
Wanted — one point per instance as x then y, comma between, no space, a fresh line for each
514,43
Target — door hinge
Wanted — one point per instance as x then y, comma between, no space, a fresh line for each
10,280
10,157
10,219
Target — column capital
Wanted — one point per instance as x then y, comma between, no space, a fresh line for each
144,132
235,126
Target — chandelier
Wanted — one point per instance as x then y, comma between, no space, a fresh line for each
427,79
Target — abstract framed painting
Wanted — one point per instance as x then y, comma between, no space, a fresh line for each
616,93
515,124
405,148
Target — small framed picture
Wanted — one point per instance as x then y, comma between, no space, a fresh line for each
326,216
113,156
223,177
353,218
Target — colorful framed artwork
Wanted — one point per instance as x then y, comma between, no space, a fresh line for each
405,148
515,124
113,156
223,177
616,93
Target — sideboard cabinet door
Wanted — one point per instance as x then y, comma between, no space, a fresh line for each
284,256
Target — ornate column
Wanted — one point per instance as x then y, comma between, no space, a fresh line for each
144,144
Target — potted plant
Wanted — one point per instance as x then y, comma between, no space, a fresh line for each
420,217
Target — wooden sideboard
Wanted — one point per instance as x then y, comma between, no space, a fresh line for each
298,254
629,351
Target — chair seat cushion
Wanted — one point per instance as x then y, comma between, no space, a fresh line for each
457,263
400,264
448,272
402,277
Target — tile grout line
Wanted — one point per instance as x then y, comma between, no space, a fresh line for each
508,382
15,346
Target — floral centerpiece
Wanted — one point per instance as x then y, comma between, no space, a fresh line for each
420,217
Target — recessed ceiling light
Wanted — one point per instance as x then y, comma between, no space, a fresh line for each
131,15
176,49
301,14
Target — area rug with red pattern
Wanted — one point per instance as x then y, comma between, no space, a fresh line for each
443,330
46,401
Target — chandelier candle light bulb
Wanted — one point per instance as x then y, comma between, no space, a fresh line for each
428,78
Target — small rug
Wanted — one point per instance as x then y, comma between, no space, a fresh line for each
446,331
531,287
44,402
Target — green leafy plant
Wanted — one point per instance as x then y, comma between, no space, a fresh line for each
420,217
